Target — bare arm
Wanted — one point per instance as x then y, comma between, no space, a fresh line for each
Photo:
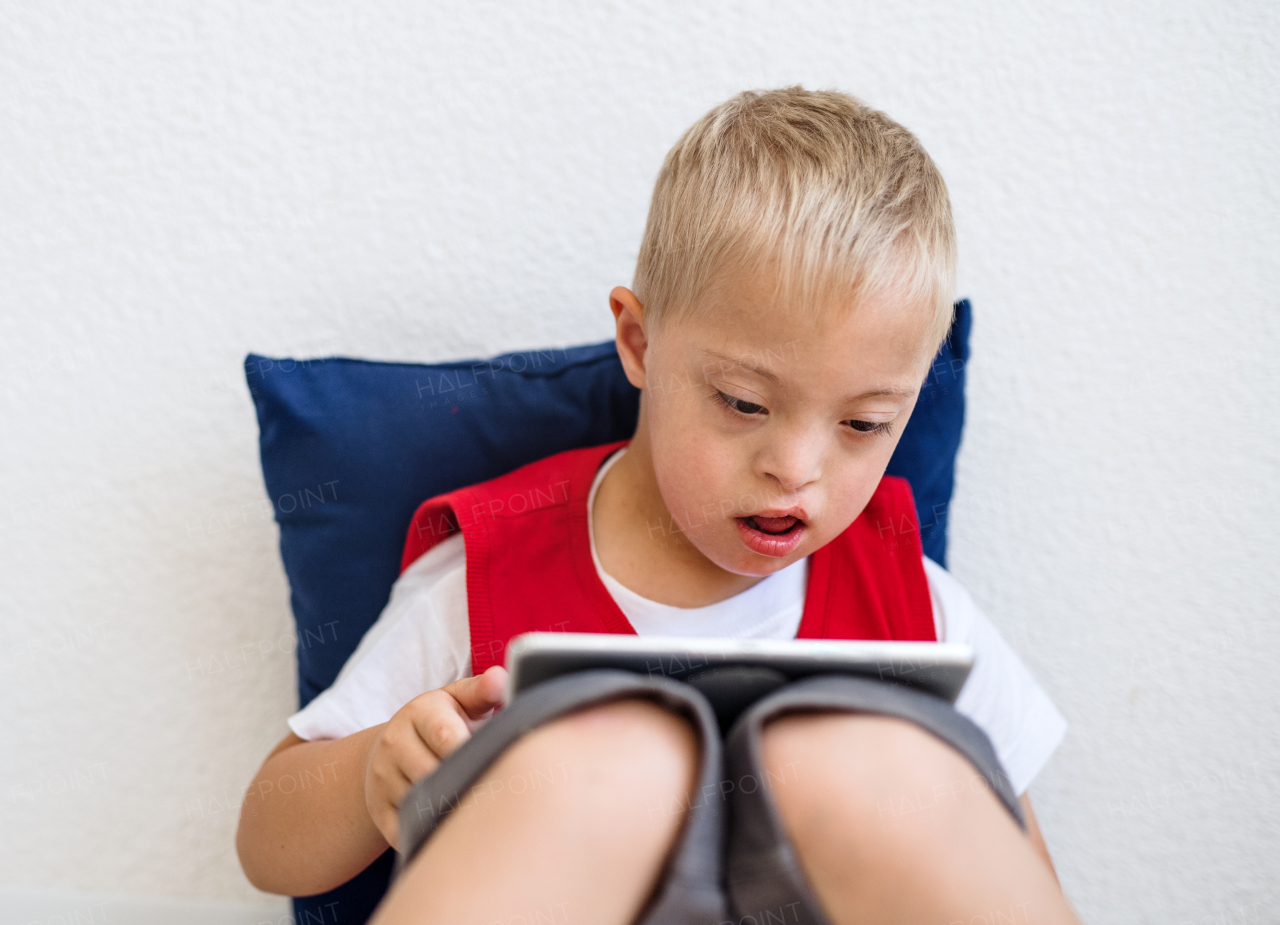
304,827
318,813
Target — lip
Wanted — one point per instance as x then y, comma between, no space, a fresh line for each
773,545
797,512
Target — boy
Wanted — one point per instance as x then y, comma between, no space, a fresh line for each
795,280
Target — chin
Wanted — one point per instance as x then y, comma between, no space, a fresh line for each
742,561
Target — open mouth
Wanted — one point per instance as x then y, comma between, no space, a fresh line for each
773,526
771,536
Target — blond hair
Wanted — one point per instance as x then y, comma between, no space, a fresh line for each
835,197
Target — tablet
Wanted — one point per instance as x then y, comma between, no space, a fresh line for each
938,668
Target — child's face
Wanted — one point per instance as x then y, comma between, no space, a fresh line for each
769,428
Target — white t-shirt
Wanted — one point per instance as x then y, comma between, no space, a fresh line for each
422,641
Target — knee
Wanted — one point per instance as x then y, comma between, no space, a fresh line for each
630,753
851,776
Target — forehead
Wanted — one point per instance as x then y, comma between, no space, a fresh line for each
876,342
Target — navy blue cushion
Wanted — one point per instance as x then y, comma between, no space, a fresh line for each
926,454
350,448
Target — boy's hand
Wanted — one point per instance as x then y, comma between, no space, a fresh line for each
421,734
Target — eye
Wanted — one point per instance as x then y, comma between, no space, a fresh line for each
871,427
738,405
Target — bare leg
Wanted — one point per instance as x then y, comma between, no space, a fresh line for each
891,825
561,829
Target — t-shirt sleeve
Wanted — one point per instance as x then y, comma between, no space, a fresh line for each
420,642
1000,695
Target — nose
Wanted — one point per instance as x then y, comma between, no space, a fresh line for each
794,460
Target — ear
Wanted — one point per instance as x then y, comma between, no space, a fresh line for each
632,342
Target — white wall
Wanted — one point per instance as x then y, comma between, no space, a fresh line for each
181,183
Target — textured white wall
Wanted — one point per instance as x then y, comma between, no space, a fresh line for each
181,183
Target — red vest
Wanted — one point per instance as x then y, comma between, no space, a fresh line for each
529,561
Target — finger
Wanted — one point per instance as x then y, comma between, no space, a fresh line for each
440,723
387,792
478,695
416,763
385,783
403,750
395,787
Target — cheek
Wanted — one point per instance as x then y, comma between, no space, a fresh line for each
854,484
693,466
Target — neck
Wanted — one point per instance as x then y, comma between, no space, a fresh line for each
642,546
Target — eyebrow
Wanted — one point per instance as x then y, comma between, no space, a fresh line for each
765,374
